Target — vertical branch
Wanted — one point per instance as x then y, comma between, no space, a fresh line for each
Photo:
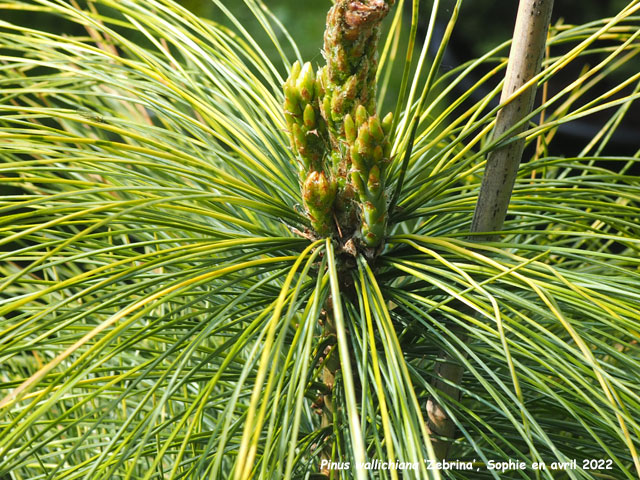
342,146
525,58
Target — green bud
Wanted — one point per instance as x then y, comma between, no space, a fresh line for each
377,155
349,129
356,179
306,82
319,89
295,71
309,117
289,90
356,159
373,183
291,106
351,87
336,106
373,224
299,137
361,115
376,129
319,192
309,189
387,122
364,141
326,107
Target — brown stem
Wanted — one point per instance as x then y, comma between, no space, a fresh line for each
447,376
518,94
331,365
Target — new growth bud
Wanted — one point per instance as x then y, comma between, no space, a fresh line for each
318,194
309,117
350,131
308,136
305,83
369,157
387,121
341,146
361,115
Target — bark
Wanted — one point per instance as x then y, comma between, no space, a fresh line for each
525,58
